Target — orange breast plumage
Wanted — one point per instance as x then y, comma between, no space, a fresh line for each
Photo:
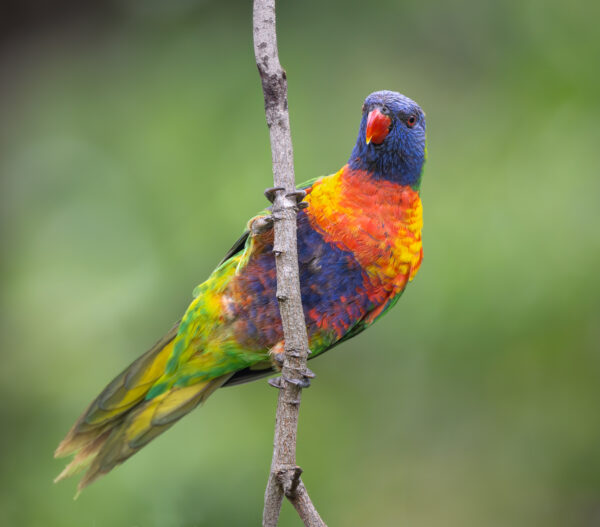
378,221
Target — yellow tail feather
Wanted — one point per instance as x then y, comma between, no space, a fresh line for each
145,422
120,420
125,391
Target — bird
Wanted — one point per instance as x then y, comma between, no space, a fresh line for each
359,245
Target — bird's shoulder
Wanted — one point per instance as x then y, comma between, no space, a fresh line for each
260,223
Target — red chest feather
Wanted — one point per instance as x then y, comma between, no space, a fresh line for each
378,221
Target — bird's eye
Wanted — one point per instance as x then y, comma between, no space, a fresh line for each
411,121
364,107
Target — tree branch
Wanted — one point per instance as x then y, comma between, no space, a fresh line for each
284,478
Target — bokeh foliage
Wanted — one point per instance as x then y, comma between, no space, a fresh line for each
133,150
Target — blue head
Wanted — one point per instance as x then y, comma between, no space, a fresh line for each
391,139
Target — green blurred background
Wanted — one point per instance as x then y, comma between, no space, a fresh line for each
134,149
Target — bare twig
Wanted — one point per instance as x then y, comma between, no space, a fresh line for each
284,478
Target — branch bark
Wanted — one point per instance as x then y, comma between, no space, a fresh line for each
284,478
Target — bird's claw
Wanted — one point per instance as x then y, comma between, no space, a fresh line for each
298,195
303,382
278,358
309,374
271,192
262,224
275,382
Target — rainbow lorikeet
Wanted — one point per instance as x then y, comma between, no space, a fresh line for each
359,244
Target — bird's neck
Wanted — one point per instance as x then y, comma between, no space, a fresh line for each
387,164
375,189
360,195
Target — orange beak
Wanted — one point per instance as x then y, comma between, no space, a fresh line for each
378,127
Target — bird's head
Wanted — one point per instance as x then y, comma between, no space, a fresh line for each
391,139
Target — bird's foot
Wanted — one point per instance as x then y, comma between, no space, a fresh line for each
271,192
298,195
302,382
277,360
278,356
275,382
261,225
